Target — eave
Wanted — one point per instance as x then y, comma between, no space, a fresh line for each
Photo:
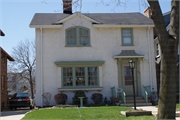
72,63
8,56
45,26
110,25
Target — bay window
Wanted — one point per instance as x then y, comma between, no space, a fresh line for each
83,76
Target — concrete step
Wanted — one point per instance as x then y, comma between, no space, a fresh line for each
131,98
137,104
137,101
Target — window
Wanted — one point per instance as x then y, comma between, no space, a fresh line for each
80,76
92,76
127,75
77,36
67,76
71,37
157,49
127,37
3,82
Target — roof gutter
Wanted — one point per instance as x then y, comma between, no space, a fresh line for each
110,25
46,26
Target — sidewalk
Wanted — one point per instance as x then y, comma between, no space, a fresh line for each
154,110
13,115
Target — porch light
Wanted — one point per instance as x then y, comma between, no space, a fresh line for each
131,64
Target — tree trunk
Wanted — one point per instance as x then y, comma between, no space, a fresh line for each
31,84
169,46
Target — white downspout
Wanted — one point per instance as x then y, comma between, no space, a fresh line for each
150,79
41,71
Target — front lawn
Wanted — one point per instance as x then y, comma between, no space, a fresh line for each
177,106
105,112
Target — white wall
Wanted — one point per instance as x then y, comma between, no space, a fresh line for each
105,44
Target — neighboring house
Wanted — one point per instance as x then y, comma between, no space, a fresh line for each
91,52
157,49
15,82
4,93
1,33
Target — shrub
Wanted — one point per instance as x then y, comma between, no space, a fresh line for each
46,98
60,98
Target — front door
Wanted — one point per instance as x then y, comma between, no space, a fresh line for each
127,80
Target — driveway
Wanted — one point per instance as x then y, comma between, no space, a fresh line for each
14,114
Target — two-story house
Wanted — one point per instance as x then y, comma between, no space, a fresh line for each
91,52
4,93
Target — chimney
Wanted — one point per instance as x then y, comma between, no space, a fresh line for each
147,12
67,6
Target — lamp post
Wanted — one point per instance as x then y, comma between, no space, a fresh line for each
132,66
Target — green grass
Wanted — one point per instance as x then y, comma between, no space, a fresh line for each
105,112
177,106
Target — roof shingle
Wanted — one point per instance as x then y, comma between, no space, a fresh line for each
103,18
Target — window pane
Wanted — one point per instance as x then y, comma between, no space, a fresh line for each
126,33
71,32
80,76
64,72
84,36
127,75
67,81
80,81
83,32
71,40
84,40
92,76
127,40
67,76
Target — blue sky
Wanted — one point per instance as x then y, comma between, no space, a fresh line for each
16,15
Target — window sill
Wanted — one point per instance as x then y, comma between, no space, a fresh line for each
127,45
76,89
79,46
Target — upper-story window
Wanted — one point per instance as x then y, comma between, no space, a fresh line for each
127,38
77,36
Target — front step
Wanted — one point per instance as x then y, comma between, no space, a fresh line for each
140,101
137,104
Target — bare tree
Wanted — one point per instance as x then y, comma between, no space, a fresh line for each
25,61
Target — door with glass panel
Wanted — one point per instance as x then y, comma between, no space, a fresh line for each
127,80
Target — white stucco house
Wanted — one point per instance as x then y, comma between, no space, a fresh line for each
90,52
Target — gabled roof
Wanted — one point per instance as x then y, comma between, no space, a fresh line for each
8,56
166,17
100,18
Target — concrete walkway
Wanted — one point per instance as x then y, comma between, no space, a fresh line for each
154,110
13,114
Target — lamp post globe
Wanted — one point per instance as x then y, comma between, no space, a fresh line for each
132,64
